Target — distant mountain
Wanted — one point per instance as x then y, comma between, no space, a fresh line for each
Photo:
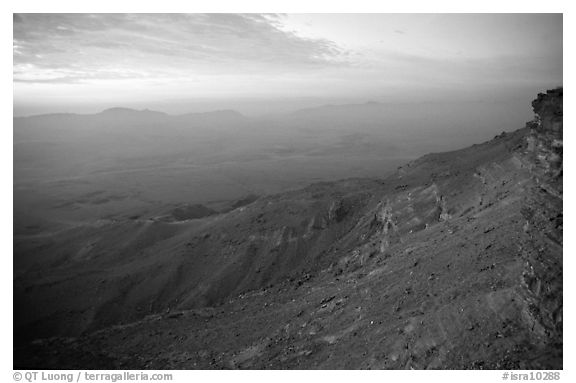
121,112
126,119
128,111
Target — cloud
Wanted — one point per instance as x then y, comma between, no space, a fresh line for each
88,47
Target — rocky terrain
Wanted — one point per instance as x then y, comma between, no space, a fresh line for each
453,262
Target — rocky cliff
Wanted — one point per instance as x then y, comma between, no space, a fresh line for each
543,212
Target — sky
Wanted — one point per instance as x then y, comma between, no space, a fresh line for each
188,62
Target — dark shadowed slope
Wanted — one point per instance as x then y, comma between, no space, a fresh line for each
455,261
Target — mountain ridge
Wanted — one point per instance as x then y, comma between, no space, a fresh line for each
127,111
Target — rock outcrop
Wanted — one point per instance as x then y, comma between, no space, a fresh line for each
545,141
543,211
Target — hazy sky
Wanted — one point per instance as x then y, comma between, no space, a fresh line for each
69,62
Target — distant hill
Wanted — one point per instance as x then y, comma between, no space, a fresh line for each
120,116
